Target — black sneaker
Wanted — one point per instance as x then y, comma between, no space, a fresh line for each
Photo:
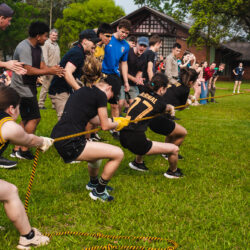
13,153
138,166
5,163
173,175
42,108
24,155
95,137
115,134
165,156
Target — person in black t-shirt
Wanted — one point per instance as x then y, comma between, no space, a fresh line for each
72,61
89,104
238,72
218,72
132,137
136,61
176,94
151,56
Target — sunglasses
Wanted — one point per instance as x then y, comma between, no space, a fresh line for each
108,35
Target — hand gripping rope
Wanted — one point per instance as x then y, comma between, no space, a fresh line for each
100,235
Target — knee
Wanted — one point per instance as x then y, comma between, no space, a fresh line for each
12,191
184,133
119,154
175,150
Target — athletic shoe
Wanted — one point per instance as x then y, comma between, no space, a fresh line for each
13,153
238,91
115,134
95,137
138,166
90,186
104,196
173,175
74,162
24,154
233,92
42,108
165,156
37,240
5,163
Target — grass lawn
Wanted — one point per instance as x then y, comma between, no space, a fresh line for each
207,209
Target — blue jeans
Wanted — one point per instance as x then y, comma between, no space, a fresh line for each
203,93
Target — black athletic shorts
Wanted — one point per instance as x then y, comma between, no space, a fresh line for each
238,78
29,109
136,142
70,149
162,125
115,99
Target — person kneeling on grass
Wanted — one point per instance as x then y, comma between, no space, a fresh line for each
14,133
89,104
132,137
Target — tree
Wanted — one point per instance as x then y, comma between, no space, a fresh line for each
213,21
18,30
87,15
53,7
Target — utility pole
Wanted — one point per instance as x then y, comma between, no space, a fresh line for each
50,14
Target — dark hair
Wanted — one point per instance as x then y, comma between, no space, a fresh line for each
158,80
132,39
104,28
38,28
188,75
154,39
124,23
176,45
8,96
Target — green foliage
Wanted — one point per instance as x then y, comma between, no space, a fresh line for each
57,8
87,15
212,21
18,30
207,209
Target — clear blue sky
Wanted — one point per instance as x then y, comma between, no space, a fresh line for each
127,5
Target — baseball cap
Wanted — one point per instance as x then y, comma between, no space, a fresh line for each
5,10
89,35
143,40
112,81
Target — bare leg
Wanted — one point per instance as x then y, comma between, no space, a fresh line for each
177,136
97,150
235,86
166,148
14,207
114,110
121,105
239,83
139,158
30,128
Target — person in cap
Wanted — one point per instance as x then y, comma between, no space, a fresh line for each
136,61
89,104
72,62
6,14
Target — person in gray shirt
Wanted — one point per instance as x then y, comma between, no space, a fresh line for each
29,52
171,64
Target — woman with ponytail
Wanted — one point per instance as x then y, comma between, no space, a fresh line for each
147,104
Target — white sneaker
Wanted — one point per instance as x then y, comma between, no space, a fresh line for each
238,92
233,92
37,240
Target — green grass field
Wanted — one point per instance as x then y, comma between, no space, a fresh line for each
207,209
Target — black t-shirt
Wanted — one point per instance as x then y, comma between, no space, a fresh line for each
217,73
176,94
4,117
144,105
81,107
150,56
135,64
76,56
